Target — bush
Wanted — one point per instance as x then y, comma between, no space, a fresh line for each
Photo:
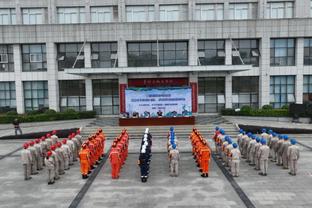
285,107
267,107
11,113
50,112
257,112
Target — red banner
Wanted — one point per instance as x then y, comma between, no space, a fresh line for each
158,82
194,96
122,99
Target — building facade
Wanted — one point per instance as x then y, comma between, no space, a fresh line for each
82,54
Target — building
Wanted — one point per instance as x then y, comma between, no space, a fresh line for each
83,54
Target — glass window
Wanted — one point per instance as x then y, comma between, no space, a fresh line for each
212,91
209,11
248,51
67,53
36,95
308,51
307,88
7,96
173,12
34,16
69,15
72,95
7,16
104,55
34,57
282,52
277,10
243,11
105,96
140,13
6,58
282,90
245,91
211,52
102,14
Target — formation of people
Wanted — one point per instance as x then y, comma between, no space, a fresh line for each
257,150
91,152
201,152
145,155
119,153
173,153
49,152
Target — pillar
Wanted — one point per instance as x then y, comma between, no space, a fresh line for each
123,83
89,94
228,52
20,105
88,11
18,10
52,71
264,75
121,11
299,74
122,53
156,10
193,54
228,90
193,79
226,10
52,13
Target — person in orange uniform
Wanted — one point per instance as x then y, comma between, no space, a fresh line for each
91,147
204,160
84,156
115,161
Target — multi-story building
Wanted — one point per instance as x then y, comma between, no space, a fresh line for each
82,54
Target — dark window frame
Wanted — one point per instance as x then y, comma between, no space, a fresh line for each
7,95
27,64
68,61
276,60
249,58
72,89
97,49
35,95
245,86
275,85
307,59
8,50
212,60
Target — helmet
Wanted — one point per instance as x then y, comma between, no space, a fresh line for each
226,138
234,145
263,130
257,139
78,131
48,135
146,131
270,131
253,136
263,141
31,143
43,138
171,128
280,136
59,144
230,141
49,153
274,134
84,145
54,132
241,131
174,146
73,135
114,144
222,131
64,141
37,141
25,145
217,128
293,141
52,147
285,137
249,134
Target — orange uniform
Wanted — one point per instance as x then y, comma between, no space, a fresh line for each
204,159
115,161
84,157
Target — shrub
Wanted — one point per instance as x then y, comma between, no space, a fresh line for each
267,107
11,113
50,112
87,114
285,107
257,112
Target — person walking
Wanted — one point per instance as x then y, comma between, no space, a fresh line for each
17,128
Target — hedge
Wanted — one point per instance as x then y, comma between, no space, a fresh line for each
256,112
48,115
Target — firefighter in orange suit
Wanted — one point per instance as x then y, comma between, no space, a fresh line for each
115,161
84,157
204,160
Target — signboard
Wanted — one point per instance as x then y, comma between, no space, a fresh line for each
170,101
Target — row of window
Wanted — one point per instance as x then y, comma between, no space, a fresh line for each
155,53
146,13
211,94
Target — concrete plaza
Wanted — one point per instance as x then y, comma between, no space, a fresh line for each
278,189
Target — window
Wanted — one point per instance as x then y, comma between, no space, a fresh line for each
243,11
34,16
282,52
34,57
105,97
72,95
140,13
7,17
211,97
277,10
6,58
104,55
68,15
248,50
282,90
311,9
36,95
7,96
104,14
211,52
307,88
308,51
67,53
209,11
170,54
173,12
245,91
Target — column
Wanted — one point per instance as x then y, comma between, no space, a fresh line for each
87,55
53,84
123,83
122,53
302,9
20,105
262,9
193,79
228,90
121,11
264,75
191,10
193,54
52,14
226,11
89,94
87,11
228,52
18,10
156,10
299,66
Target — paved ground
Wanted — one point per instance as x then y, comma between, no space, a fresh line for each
278,189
